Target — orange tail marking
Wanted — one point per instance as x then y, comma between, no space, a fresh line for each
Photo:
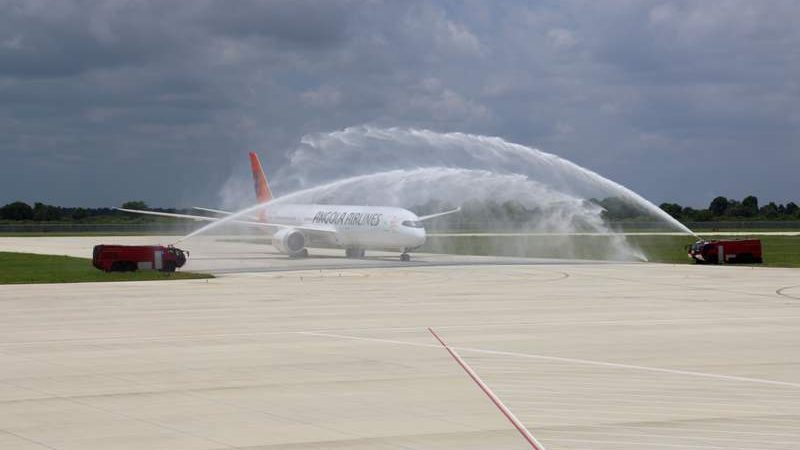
263,194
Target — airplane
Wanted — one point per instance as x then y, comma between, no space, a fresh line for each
295,227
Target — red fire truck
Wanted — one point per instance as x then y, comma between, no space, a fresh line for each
129,258
745,251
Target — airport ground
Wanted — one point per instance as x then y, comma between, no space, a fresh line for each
781,249
328,353
781,246
26,268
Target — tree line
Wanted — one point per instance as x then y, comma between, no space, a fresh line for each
721,209
40,212
614,209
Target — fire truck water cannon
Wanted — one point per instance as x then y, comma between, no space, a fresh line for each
129,258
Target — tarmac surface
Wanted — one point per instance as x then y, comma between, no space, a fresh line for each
330,353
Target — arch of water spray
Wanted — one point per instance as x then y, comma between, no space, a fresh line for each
407,167
363,150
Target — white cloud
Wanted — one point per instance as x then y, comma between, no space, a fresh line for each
458,36
561,39
324,97
12,42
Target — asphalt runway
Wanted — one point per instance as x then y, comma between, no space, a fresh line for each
221,255
588,356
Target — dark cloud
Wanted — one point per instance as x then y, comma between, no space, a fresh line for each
68,38
99,101
303,23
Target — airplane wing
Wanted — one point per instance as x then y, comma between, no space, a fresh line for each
215,211
431,216
221,212
314,228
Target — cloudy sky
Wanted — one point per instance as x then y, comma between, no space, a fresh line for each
103,102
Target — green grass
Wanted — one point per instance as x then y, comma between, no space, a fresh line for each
778,251
18,268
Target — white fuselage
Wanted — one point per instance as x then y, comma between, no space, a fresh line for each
363,227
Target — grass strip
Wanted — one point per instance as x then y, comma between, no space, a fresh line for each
26,268
778,251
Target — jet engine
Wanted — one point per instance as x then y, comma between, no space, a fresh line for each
290,242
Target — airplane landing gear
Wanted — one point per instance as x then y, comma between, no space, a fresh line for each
405,257
301,254
354,252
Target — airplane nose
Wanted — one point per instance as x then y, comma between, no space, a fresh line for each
420,236
412,237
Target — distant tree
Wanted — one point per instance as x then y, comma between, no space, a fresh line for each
769,211
735,209
750,206
703,215
44,213
673,209
135,205
689,213
80,213
718,206
619,209
792,209
16,211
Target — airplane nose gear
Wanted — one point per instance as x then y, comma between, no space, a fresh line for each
405,257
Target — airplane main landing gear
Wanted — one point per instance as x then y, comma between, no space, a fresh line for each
405,257
301,254
354,252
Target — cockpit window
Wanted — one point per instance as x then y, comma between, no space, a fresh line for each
413,224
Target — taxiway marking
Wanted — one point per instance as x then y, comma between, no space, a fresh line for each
568,360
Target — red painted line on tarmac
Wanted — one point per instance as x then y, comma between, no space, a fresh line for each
496,400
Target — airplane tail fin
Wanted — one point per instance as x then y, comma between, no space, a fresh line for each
263,193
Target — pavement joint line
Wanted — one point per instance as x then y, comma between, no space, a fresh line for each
654,444
397,329
27,439
781,293
188,393
642,410
631,433
706,430
659,405
634,431
116,412
652,399
684,286
660,426
568,360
